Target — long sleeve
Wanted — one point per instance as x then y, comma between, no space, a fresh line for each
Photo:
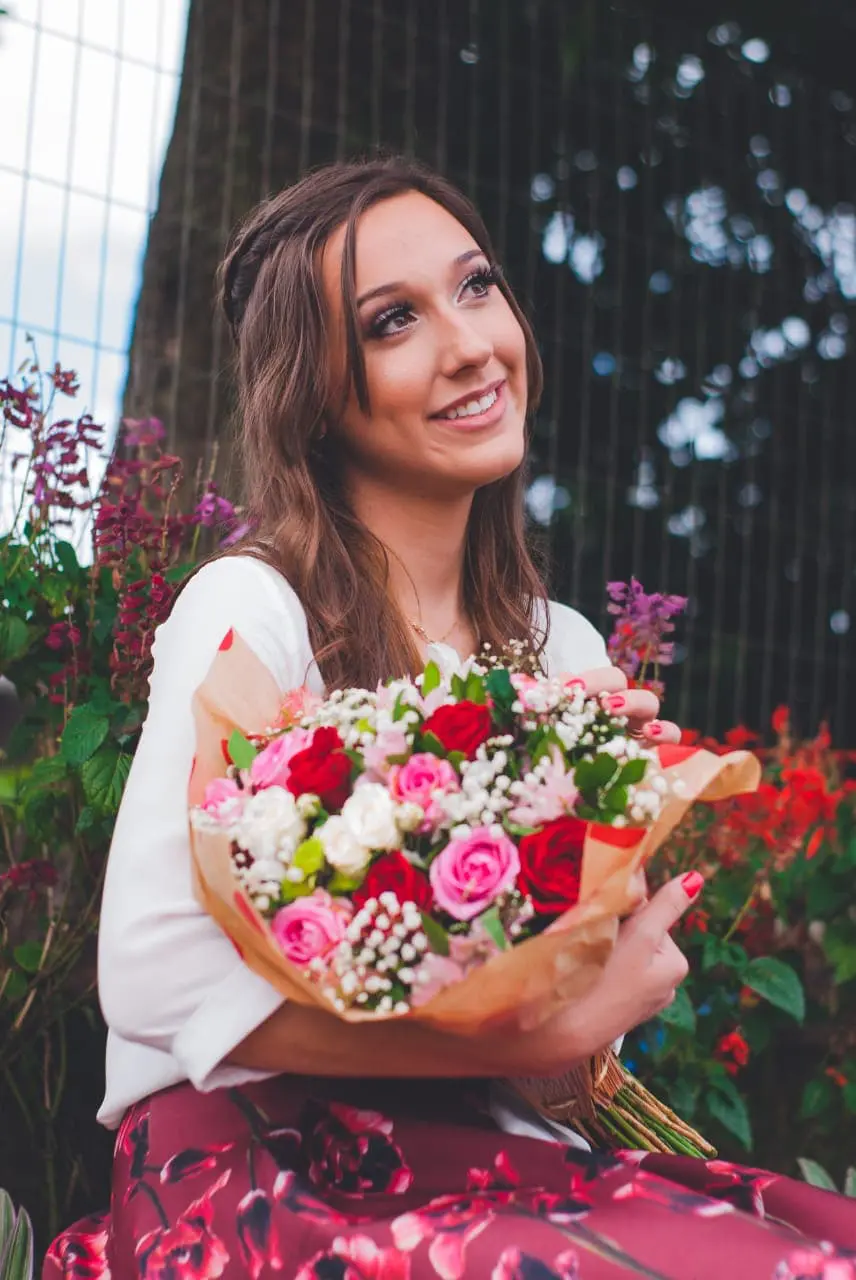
175,994
573,644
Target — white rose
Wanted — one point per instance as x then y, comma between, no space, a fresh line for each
341,847
370,816
271,826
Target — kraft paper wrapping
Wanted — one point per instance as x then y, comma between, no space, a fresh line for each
539,976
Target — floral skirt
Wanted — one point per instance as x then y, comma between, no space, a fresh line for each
410,1180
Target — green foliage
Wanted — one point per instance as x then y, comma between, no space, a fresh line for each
763,1028
16,1241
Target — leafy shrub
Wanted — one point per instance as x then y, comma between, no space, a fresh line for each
87,571
761,1038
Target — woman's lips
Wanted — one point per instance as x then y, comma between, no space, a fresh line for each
472,422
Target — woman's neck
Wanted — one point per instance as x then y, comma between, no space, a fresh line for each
426,541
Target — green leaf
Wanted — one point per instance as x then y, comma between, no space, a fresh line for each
437,937
29,956
680,1014
242,753
47,772
309,856
104,777
7,1222
475,690
616,799
848,1093
14,638
83,735
728,1107
850,1182
343,884
492,926
430,679
839,943
634,771
67,558
815,1174
599,773
456,759
777,983
818,1096
501,690
18,1259
16,987
430,742
86,820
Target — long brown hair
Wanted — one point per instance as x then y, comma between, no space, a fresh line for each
274,302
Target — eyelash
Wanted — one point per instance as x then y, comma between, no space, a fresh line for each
487,277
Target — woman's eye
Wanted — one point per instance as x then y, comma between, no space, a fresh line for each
390,322
480,283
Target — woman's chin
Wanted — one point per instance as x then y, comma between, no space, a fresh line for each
493,461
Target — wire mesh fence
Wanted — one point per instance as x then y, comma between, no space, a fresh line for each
673,200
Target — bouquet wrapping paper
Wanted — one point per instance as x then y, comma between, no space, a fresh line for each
538,976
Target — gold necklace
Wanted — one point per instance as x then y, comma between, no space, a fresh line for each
423,634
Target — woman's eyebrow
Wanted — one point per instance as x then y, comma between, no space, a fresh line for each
395,286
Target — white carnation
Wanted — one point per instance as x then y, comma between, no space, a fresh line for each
271,826
342,849
370,816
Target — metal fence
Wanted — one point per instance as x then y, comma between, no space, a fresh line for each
673,200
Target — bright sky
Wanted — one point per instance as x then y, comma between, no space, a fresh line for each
87,96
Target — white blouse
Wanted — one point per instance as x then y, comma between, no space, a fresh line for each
176,997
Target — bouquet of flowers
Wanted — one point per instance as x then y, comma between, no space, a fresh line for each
446,848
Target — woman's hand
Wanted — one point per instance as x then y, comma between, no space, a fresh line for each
640,706
639,981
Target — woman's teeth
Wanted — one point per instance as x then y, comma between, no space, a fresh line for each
472,407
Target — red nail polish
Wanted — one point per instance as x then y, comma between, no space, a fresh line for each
615,702
575,683
654,728
692,883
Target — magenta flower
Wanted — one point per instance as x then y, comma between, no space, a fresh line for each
212,510
642,622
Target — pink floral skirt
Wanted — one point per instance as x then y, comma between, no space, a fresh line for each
410,1180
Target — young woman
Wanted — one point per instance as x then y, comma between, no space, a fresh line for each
386,379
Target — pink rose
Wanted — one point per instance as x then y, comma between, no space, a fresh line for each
473,871
311,927
417,782
271,766
224,800
391,742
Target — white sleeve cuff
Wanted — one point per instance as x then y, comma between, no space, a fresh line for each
227,1015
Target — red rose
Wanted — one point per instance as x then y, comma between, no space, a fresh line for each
392,873
322,770
461,726
551,864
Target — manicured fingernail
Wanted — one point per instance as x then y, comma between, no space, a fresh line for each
616,702
692,884
654,728
575,683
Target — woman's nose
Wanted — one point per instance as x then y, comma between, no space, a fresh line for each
464,345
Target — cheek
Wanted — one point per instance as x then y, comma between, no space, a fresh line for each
399,379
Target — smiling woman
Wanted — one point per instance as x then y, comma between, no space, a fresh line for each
386,376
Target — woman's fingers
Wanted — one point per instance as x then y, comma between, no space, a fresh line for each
600,680
654,920
656,732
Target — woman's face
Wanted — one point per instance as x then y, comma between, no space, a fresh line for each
445,355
